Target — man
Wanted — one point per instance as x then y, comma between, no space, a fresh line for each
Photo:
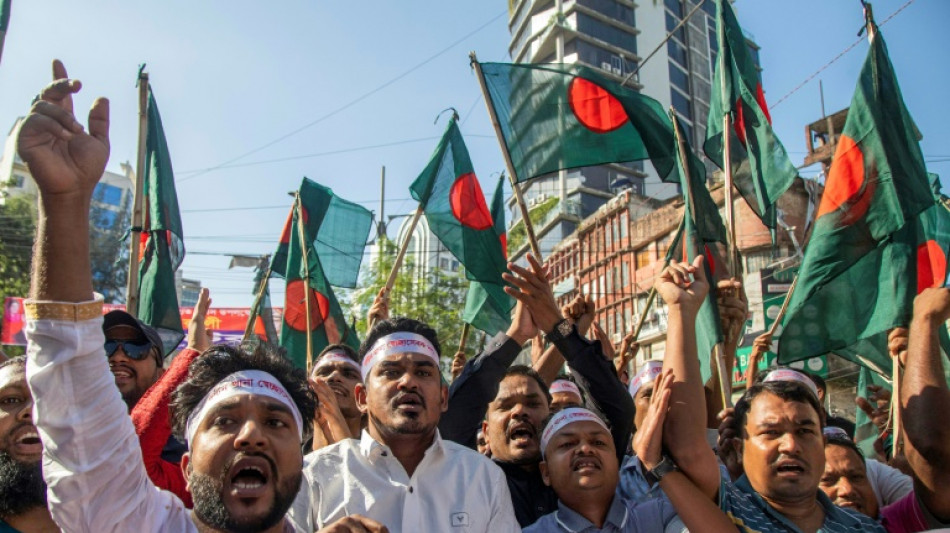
830,419
781,421
335,375
517,399
135,354
845,480
22,489
240,412
565,393
401,473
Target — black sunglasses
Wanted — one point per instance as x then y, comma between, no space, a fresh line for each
133,350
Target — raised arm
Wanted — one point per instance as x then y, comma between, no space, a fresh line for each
924,393
683,287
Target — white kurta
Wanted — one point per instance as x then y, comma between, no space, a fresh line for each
454,489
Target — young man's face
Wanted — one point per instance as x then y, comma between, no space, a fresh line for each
513,425
132,377
245,464
563,400
19,436
845,480
581,462
343,379
783,448
403,395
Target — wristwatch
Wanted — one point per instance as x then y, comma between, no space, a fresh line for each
664,467
561,330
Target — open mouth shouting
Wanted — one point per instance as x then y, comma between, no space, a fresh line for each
26,441
249,477
522,434
408,403
790,468
586,464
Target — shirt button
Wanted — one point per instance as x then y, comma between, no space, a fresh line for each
410,490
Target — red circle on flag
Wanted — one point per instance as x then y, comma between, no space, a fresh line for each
468,203
595,108
847,184
931,266
295,307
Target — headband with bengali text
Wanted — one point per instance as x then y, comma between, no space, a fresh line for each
563,385
398,343
648,373
256,382
565,418
336,356
788,374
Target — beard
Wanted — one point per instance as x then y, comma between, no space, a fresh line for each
21,486
210,508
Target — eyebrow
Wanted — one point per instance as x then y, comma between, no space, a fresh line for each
801,422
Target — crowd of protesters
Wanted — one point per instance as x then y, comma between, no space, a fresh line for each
100,435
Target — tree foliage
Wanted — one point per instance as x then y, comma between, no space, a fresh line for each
436,298
17,230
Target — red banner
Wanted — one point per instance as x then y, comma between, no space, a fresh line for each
226,324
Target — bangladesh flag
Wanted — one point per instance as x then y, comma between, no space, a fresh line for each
761,168
487,305
5,6
701,233
455,208
261,319
162,246
559,116
299,262
877,239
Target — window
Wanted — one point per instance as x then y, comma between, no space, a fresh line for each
643,257
679,78
676,6
671,23
608,240
624,224
677,52
18,181
607,33
682,104
105,219
627,319
624,274
618,325
585,291
107,194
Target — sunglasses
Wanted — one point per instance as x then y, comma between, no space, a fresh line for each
133,350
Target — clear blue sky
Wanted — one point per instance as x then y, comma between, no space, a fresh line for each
231,77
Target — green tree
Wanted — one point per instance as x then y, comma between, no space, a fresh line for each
17,230
436,299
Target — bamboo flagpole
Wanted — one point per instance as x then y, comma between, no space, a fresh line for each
308,294
733,250
132,285
391,280
466,329
258,301
512,175
725,385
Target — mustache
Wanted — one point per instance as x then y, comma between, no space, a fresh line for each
241,455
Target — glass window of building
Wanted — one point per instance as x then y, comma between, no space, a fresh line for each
682,104
107,194
671,23
679,78
643,258
606,33
676,6
624,274
677,52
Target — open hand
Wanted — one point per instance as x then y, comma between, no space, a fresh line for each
532,288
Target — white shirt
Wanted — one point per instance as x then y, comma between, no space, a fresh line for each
453,490
889,483
92,462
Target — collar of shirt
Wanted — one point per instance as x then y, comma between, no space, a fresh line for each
373,449
833,513
572,521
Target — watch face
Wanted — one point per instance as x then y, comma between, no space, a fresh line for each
564,328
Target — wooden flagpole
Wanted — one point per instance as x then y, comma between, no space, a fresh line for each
249,329
725,384
391,280
512,175
466,329
132,285
302,237
727,160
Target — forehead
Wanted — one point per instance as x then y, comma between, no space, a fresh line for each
329,366
768,407
516,385
583,428
565,395
405,358
842,457
13,375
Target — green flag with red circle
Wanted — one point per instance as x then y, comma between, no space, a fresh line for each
300,259
761,168
878,238
561,116
455,208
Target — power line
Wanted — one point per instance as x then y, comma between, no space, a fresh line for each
837,57
353,102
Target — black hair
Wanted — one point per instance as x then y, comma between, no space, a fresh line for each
790,391
345,348
818,380
527,371
844,442
395,325
222,360
572,379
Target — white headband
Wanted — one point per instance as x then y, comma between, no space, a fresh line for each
563,385
398,343
565,418
336,356
256,382
788,374
647,374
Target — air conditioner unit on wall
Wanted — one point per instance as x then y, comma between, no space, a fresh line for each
606,65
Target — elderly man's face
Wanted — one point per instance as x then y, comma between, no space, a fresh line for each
343,379
403,395
783,448
513,425
132,377
245,464
845,480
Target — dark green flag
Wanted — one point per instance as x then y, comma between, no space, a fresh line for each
761,168
558,116
163,247
487,305
878,237
5,6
